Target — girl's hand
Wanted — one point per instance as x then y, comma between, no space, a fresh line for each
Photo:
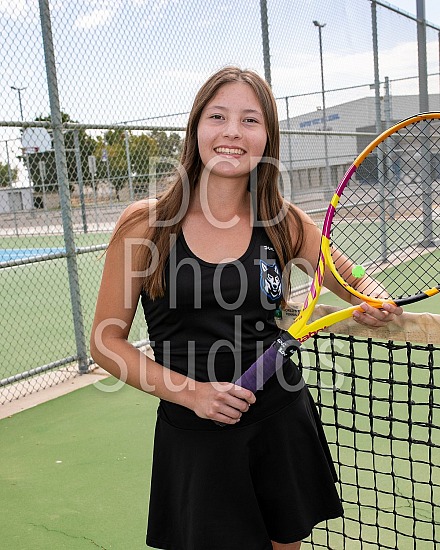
221,401
373,317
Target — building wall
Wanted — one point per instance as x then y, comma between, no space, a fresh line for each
303,156
15,199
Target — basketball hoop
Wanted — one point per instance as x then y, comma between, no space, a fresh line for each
36,140
30,150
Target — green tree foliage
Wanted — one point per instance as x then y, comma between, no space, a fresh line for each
7,175
151,155
169,145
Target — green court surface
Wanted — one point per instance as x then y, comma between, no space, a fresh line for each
364,239
75,472
37,304
430,305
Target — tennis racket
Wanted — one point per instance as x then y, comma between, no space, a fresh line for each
380,237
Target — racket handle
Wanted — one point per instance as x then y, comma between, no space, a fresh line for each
267,364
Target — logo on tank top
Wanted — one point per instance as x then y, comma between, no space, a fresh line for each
270,280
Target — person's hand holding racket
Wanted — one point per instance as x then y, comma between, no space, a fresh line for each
221,399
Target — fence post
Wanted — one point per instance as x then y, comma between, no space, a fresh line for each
265,33
423,66
63,184
381,182
127,153
426,144
80,179
376,67
289,142
10,185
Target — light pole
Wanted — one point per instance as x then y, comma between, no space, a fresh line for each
19,90
324,113
25,152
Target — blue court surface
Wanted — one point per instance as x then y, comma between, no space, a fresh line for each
10,254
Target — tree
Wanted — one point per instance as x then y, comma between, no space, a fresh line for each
8,175
169,145
144,151
111,159
151,155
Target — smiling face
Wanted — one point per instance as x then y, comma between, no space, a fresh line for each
232,132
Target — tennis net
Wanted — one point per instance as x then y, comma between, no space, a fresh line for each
378,393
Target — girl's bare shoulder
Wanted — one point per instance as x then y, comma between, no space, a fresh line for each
135,218
296,214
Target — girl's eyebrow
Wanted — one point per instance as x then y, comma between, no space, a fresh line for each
223,108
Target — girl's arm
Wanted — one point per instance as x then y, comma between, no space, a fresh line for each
116,306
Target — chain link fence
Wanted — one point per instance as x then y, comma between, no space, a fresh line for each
92,114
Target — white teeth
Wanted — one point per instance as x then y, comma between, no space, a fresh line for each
227,151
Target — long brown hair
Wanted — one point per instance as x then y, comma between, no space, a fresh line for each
270,209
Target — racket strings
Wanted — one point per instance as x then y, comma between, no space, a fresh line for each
387,223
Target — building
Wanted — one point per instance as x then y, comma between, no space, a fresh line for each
15,199
303,156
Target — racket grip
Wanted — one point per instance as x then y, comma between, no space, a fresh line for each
267,364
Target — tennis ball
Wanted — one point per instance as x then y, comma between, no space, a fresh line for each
358,271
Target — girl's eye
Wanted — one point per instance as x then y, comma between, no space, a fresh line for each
251,120
216,117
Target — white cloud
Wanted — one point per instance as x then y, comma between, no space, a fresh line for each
397,62
157,11
93,19
15,9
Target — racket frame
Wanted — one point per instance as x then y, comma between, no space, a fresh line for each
299,329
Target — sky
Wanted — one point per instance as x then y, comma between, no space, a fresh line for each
432,9
128,60
121,60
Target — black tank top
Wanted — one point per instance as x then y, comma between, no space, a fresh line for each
215,320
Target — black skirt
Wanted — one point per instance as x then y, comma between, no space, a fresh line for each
230,489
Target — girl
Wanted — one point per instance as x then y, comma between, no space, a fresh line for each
206,259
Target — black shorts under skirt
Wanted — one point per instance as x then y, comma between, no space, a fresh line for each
236,489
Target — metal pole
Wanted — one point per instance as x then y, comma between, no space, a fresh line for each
19,90
423,65
391,164
107,164
376,68
289,141
80,180
265,32
42,170
63,184
9,166
425,138
387,102
130,175
380,155
25,153
327,186
21,105
10,184
95,201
